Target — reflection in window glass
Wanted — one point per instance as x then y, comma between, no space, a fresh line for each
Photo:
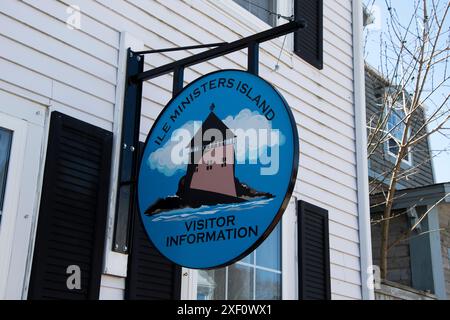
240,282
393,146
250,258
257,276
396,126
5,147
268,285
210,284
268,255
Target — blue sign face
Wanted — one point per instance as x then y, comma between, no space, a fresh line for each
218,169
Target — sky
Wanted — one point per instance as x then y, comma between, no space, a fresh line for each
438,143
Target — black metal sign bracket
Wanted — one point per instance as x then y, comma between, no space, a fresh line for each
129,156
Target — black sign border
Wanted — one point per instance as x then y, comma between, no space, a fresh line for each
287,197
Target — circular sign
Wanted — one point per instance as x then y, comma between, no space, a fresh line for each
218,169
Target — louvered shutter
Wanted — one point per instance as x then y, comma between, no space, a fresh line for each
73,210
150,275
308,43
313,252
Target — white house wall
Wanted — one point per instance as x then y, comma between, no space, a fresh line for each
75,72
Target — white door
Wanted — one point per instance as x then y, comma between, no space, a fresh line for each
20,150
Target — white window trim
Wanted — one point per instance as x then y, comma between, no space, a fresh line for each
289,260
289,252
286,8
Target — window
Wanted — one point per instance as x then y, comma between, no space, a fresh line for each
395,127
256,277
307,44
5,148
261,8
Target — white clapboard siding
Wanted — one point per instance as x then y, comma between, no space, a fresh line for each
56,69
75,72
29,14
36,40
112,288
10,92
22,77
95,26
342,259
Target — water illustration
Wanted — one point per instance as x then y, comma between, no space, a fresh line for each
209,211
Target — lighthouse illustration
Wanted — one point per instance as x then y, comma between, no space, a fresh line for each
210,177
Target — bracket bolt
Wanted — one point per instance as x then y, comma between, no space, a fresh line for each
132,149
125,248
138,58
131,54
116,246
125,146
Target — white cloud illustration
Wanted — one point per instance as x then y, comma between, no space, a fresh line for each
174,155
254,136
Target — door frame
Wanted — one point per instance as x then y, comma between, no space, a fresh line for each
21,192
10,210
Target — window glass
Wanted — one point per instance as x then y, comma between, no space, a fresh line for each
395,127
260,8
257,276
210,284
396,124
5,148
240,282
393,146
268,285
250,258
268,255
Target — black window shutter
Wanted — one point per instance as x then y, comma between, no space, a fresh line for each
150,275
313,253
308,43
73,210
